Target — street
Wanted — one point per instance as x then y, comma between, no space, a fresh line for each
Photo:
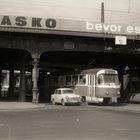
57,122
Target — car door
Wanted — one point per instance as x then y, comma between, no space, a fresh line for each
54,96
59,96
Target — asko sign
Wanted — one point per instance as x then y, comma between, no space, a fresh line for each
66,25
28,22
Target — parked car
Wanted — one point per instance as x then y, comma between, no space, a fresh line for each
65,96
135,98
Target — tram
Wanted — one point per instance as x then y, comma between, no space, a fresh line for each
94,85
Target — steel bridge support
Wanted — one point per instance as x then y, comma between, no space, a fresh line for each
35,76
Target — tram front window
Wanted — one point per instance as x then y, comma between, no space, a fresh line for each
108,79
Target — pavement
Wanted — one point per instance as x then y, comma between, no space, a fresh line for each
22,106
123,107
11,106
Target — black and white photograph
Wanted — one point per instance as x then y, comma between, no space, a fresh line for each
69,70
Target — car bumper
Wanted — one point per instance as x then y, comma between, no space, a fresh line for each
72,102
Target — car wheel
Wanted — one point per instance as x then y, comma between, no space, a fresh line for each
79,104
53,102
63,102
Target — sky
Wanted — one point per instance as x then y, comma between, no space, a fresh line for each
116,11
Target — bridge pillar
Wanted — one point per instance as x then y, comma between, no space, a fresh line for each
11,84
22,89
35,75
0,80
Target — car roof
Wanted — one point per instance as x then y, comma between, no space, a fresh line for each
64,89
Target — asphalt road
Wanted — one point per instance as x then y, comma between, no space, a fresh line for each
56,122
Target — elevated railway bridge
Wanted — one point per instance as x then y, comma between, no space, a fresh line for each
42,46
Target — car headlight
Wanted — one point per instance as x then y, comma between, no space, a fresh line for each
80,98
67,98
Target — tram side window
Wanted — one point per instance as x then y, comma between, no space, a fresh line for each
100,79
82,79
74,79
68,80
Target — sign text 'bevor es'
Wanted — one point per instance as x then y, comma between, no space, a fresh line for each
46,23
112,28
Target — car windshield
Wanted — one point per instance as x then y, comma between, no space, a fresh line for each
67,91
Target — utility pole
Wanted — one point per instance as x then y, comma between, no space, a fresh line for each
102,12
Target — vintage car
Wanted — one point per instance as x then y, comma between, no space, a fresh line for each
135,98
65,96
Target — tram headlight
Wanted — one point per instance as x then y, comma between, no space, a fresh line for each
118,92
107,93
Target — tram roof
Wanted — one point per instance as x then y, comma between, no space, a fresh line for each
97,71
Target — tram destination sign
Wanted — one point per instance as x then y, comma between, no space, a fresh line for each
41,23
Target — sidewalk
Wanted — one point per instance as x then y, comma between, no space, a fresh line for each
123,107
130,107
7,106
22,106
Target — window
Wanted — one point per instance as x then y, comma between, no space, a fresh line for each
100,79
82,79
59,92
55,92
68,80
74,79
111,78
108,79
67,91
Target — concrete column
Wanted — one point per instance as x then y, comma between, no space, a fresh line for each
35,75
22,89
11,84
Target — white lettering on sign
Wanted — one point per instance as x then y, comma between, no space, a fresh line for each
112,28
103,27
64,24
137,30
131,29
98,27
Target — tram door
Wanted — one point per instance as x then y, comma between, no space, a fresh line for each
91,87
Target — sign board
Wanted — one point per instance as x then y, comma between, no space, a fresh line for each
42,23
120,40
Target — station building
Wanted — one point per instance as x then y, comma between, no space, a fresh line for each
34,44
